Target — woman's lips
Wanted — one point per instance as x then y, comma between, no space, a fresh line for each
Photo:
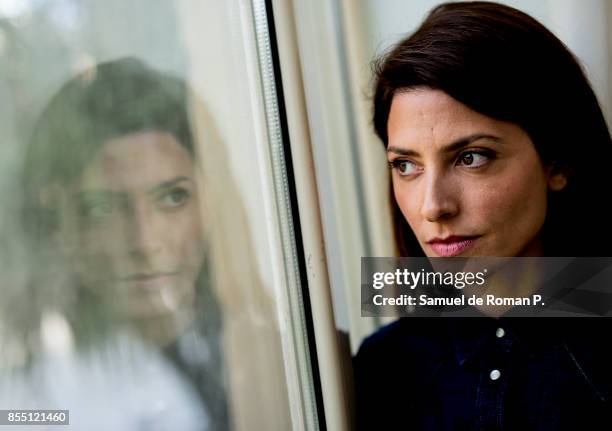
452,246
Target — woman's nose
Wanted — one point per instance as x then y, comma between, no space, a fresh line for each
440,200
144,233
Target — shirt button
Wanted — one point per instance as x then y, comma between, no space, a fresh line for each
500,332
495,374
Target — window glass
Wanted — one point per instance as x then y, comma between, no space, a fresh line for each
146,250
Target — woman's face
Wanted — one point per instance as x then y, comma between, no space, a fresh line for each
138,236
467,184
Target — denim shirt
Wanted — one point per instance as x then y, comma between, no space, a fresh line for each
482,373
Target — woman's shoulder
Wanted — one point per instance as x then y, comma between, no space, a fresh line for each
407,337
394,367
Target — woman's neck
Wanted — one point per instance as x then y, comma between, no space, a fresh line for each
516,277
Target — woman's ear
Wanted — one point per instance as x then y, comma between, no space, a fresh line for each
557,176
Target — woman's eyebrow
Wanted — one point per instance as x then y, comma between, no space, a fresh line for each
450,148
169,183
94,194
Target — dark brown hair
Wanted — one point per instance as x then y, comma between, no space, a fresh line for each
504,64
109,100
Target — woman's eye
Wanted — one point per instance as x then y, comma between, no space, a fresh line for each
96,210
174,198
473,159
404,167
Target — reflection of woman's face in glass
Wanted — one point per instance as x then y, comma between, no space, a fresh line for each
138,238
457,173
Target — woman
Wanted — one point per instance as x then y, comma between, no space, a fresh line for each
128,203
497,147
112,186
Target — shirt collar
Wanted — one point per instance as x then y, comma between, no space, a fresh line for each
470,335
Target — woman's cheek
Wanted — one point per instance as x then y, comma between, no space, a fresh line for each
487,205
188,239
408,202
515,214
